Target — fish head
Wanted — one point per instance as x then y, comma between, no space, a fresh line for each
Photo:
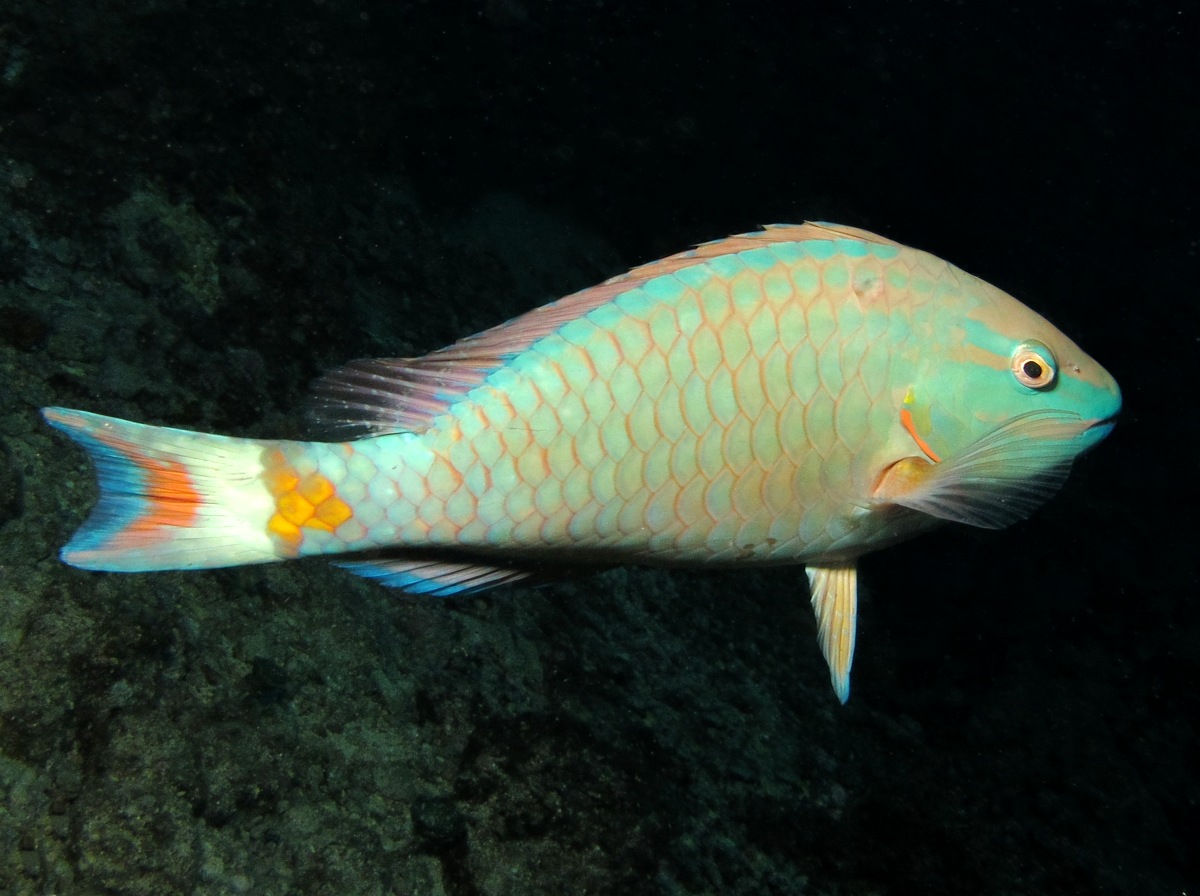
1012,361
1001,404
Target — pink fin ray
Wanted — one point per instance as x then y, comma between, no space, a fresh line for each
730,245
444,575
999,478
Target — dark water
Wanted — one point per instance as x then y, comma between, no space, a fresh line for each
204,205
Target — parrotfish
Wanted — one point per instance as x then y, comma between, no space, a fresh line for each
804,394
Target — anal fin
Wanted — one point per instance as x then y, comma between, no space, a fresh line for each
448,573
834,591
440,577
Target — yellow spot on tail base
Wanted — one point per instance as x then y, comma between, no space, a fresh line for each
287,534
314,489
294,508
308,502
333,511
278,474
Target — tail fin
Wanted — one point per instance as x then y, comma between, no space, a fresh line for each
169,499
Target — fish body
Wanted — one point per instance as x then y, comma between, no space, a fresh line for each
804,394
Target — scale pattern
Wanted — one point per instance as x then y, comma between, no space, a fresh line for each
723,411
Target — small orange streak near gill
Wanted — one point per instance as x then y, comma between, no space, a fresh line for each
906,421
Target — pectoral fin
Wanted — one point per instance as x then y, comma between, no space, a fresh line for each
834,591
995,481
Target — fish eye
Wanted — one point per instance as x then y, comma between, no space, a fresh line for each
1033,365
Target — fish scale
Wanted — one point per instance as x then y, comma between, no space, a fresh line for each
804,394
648,426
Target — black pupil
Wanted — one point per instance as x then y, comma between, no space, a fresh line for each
1032,369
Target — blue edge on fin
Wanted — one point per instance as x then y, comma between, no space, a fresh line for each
440,578
121,480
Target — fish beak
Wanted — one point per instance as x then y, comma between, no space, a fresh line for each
1100,427
1098,430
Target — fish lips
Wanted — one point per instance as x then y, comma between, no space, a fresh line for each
1097,430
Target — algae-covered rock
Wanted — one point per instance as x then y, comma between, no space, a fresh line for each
165,246
10,487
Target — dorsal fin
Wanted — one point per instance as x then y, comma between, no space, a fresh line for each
374,397
771,233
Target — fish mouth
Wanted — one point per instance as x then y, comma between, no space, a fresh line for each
1100,428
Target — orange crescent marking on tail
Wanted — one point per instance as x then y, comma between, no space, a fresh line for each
906,421
172,499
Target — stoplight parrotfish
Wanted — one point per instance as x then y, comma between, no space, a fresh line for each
800,395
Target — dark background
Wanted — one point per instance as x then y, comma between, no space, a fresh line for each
207,204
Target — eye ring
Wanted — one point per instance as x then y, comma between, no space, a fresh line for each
1033,365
